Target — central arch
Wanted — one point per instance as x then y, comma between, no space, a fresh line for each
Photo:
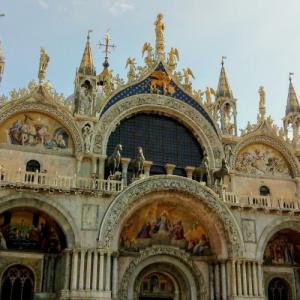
206,135
124,204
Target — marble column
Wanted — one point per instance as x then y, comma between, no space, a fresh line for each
217,281
88,270
223,281
79,158
125,163
233,276
115,276
297,182
254,277
147,167
101,271
74,270
45,273
211,282
245,291
101,166
232,181
108,272
249,273
94,165
81,269
67,269
239,278
260,280
189,171
229,278
169,168
95,270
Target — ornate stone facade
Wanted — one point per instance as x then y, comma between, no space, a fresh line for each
87,213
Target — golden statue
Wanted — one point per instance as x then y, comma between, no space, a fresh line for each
162,80
131,75
149,57
44,60
208,92
173,59
187,73
160,41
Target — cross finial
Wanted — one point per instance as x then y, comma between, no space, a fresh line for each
89,32
222,61
290,76
107,46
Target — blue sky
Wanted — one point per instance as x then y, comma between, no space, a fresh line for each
259,37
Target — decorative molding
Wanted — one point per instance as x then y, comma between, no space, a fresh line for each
125,201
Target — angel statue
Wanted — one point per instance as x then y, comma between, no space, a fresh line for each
197,94
149,60
187,73
44,60
208,92
131,75
173,59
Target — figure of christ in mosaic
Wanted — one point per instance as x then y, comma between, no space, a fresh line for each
165,223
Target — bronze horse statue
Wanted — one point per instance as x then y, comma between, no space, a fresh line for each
201,171
137,164
113,161
218,175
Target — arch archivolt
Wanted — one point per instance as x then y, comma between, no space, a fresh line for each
219,220
184,113
171,256
55,111
50,207
272,142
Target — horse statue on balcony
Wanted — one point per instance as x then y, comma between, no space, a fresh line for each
113,161
202,170
137,164
218,175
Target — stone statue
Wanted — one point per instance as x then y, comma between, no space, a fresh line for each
218,175
173,59
149,60
131,75
114,160
87,134
228,154
44,60
187,73
160,41
262,102
137,164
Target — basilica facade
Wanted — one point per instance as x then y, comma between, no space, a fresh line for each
143,189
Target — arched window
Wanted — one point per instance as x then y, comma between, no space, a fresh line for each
163,139
33,166
264,190
17,283
278,290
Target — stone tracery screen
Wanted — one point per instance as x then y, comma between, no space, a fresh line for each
163,140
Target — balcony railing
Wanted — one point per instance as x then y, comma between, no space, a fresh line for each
261,202
37,180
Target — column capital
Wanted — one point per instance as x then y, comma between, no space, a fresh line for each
189,171
125,161
170,168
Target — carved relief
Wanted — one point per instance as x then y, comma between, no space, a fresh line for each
249,230
89,216
259,159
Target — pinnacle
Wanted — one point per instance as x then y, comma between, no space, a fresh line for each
292,105
87,65
223,89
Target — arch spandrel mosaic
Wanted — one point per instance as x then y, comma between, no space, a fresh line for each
165,223
260,159
35,130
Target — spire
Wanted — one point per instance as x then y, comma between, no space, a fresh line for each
2,62
223,89
292,105
87,65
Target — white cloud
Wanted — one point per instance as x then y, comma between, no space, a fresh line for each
43,4
118,7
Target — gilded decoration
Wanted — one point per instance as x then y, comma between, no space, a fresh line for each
260,159
162,223
35,130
